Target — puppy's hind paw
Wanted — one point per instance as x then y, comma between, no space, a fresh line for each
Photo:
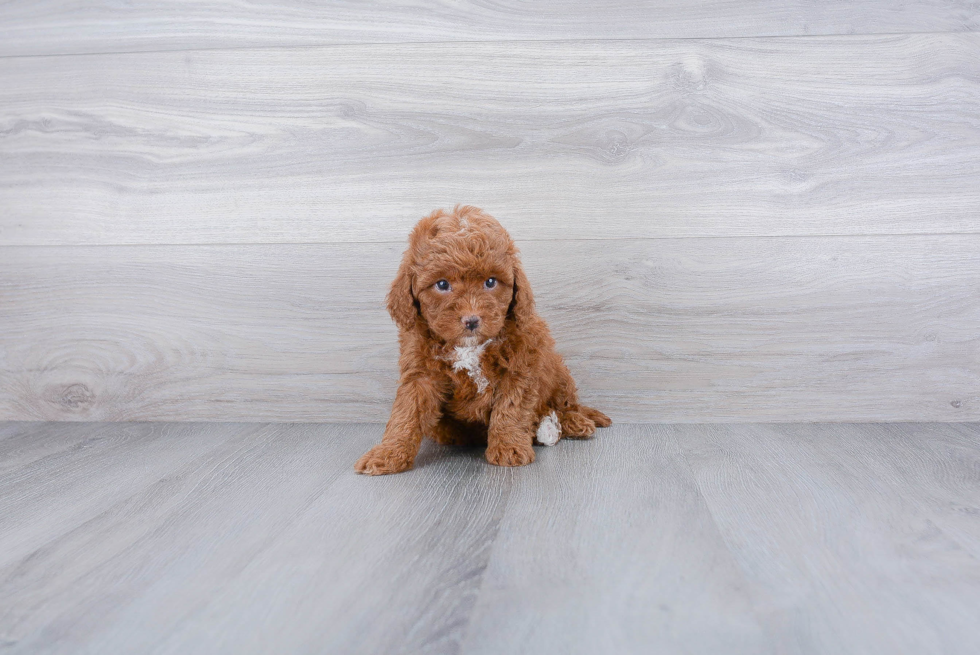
382,460
510,454
600,419
577,425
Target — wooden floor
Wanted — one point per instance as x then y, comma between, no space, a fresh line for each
240,538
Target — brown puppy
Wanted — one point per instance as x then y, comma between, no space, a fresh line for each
478,365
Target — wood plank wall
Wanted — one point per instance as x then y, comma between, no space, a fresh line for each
730,211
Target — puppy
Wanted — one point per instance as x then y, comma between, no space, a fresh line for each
478,365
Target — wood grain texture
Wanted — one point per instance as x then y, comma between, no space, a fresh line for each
389,565
819,328
60,488
598,140
66,27
837,558
714,540
608,547
22,443
941,465
122,579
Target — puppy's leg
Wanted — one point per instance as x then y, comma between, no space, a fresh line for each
511,430
577,421
415,413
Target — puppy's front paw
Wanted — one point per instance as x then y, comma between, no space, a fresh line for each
382,460
510,454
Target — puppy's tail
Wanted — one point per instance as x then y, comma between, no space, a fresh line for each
580,422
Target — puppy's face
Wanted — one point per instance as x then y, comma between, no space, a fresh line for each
465,305
460,276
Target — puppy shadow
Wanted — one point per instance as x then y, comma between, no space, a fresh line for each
432,452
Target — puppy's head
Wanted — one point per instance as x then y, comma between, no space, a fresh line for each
461,277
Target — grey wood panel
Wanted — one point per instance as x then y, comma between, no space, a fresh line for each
616,139
942,465
390,565
607,547
60,27
698,539
26,442
863,328
836,558
61,489
121,581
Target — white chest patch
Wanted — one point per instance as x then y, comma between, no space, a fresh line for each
467,358
549,430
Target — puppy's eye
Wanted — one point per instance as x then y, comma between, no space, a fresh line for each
442,285
490,283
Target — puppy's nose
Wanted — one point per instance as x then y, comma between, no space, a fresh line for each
471,322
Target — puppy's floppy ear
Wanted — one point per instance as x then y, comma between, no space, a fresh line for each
522,305
401,301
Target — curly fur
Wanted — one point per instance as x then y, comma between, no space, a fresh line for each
498,381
